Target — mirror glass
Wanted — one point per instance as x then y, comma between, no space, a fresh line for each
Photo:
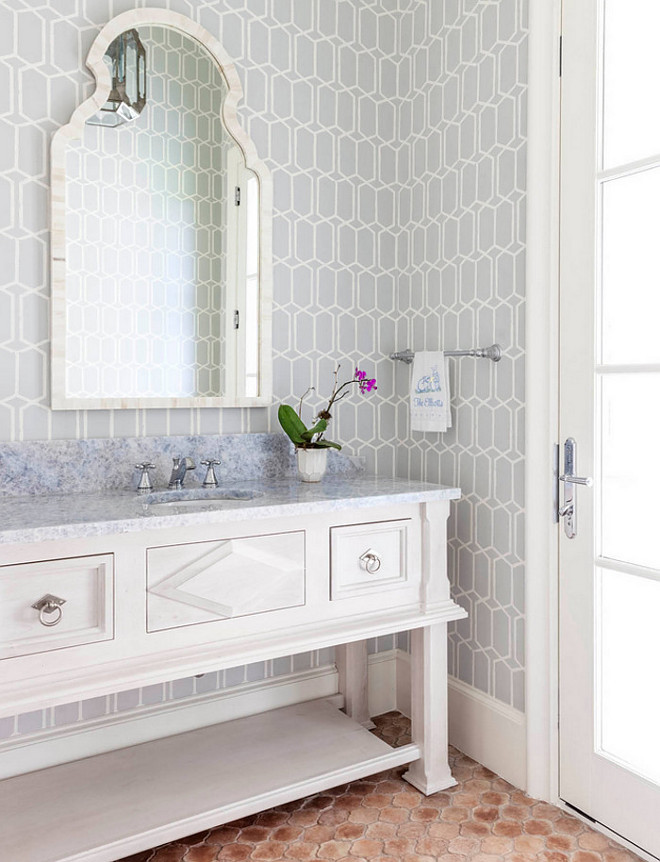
161,297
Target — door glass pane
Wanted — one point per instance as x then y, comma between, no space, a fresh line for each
631,468
631,128
629,696
631,268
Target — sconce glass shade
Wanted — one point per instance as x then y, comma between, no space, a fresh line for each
127,59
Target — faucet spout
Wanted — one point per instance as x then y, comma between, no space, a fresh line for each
180,467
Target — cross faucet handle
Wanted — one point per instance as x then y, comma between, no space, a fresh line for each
211,480
145,483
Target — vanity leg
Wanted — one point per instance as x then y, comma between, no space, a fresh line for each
351,660
428,683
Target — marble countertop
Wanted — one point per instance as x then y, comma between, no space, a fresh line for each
56,516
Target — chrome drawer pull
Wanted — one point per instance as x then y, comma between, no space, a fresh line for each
49,604
370,561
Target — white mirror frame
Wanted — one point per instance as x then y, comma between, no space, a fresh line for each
73,130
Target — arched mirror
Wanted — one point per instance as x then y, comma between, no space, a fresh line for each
161,220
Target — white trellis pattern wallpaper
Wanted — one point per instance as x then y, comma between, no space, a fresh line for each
394,130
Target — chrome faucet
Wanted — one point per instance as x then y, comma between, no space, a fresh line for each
180,467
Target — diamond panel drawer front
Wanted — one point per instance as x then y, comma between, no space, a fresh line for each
206,581
74,604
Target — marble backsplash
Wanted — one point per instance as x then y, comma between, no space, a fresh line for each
89,465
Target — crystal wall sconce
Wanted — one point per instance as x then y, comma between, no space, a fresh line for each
127,59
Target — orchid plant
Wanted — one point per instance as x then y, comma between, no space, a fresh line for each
303,437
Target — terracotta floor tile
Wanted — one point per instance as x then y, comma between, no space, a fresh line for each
412,830
254,834
286,833
169,853
333,816
394,815
201,853
303,851
431,846
381,831
333,849
320,834
384,819
593,841
235,852
350,831
446,831
562,843
223,835
269,851
507,828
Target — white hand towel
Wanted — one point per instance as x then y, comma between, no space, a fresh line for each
429,393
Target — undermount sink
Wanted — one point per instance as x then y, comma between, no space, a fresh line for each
199,498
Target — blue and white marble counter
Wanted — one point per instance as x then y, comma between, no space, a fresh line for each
76,515
108,464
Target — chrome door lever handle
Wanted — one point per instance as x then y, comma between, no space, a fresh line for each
568,510
577,480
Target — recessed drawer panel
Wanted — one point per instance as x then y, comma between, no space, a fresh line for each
207,581
368,558
74,604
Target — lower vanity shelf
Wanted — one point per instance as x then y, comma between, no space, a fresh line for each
108,806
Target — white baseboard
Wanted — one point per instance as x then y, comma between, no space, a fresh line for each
383,682
403,682
73,742
488,731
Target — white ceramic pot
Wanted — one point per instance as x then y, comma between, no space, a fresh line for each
311,464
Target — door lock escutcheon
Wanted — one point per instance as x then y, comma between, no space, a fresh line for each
568,509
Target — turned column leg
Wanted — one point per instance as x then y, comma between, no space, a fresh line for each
351,660
428,683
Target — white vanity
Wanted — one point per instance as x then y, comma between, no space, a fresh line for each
151,597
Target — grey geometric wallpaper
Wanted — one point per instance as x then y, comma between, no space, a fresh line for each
461,284
394,130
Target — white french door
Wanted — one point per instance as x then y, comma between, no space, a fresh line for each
609,628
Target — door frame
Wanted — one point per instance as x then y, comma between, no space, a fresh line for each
542,399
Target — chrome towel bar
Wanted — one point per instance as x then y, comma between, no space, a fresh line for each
494,353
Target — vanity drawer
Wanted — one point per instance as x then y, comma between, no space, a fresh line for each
210,581
86,586
368,558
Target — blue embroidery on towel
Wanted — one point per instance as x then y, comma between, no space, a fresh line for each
428,403
431,383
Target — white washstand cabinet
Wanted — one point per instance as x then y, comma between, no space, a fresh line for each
152,597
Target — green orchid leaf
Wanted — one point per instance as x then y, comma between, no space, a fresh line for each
292,424
320,426
326,444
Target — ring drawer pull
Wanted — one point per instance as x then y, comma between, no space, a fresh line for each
370,561
49,605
